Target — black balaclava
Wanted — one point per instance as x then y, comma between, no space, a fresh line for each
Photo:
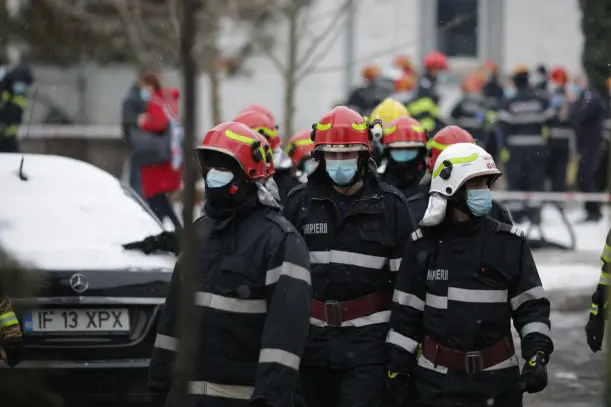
407,173
232,196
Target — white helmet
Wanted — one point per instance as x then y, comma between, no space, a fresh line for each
459,163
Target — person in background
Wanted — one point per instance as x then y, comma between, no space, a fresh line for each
299,151
133,106
589,114
159,179
424,107
540,79
470,112
561,133
385,112
14,98
263,122
374,89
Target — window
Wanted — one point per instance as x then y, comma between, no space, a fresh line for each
457,27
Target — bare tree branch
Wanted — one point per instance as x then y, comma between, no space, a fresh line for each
133,35
173,14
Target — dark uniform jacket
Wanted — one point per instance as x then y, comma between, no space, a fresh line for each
424,107
13,105
133,105
408,190
470,114
253,304
367,97
522,118
461,284
286,179
350,257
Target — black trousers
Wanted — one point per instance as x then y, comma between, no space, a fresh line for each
361,386
161,206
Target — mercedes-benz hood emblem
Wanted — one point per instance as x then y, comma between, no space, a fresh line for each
79,283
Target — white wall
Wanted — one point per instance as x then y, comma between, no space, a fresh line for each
545,31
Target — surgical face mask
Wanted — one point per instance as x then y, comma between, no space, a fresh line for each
575,89
2,73
479,201
217,179
402,156
145,94
509,92
307,166
342,171
20,88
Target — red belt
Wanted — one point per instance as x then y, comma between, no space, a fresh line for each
469,362
335,312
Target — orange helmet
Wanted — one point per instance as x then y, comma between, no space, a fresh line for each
559,75
491,66
371,72
239,142
260,109
300,146
473,82
405,83
341,129
404,132
520,69
261,123
436,60
403,62
446,137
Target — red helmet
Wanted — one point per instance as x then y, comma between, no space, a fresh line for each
559,75
261,123
341,129
404,132
300,146
446,137
260,109
436,60
403,62
240,142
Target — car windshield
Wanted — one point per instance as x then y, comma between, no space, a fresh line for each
71,215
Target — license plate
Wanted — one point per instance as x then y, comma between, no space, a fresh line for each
77,320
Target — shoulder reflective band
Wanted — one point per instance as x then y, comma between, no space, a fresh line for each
605,279
459,160
423,105
323,127
245,140
8,319
359,126
606,255
594,309
268,132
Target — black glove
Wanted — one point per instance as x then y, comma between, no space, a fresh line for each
399,387
14,351
164,242
595,328
534,374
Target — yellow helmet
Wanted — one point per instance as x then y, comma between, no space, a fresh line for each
388,110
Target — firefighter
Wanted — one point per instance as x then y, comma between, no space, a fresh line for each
285,176
446,137
387,111
470,112
11,342
424,107
464,277
12,106
253,282
404,156
374,89
299,151
561,141
492,89
595,327
355,227
405,81
540,79
522,118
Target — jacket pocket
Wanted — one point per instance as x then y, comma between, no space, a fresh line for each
238,276
491,277
373,231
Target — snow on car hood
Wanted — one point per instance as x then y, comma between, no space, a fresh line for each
71,215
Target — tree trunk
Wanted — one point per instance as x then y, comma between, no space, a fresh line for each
291,71
215,96
596,28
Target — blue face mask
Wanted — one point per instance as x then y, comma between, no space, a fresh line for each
217,179
342,171
402,156
479,201
509,92
2,73
575,89
20,88
145,94
307,166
